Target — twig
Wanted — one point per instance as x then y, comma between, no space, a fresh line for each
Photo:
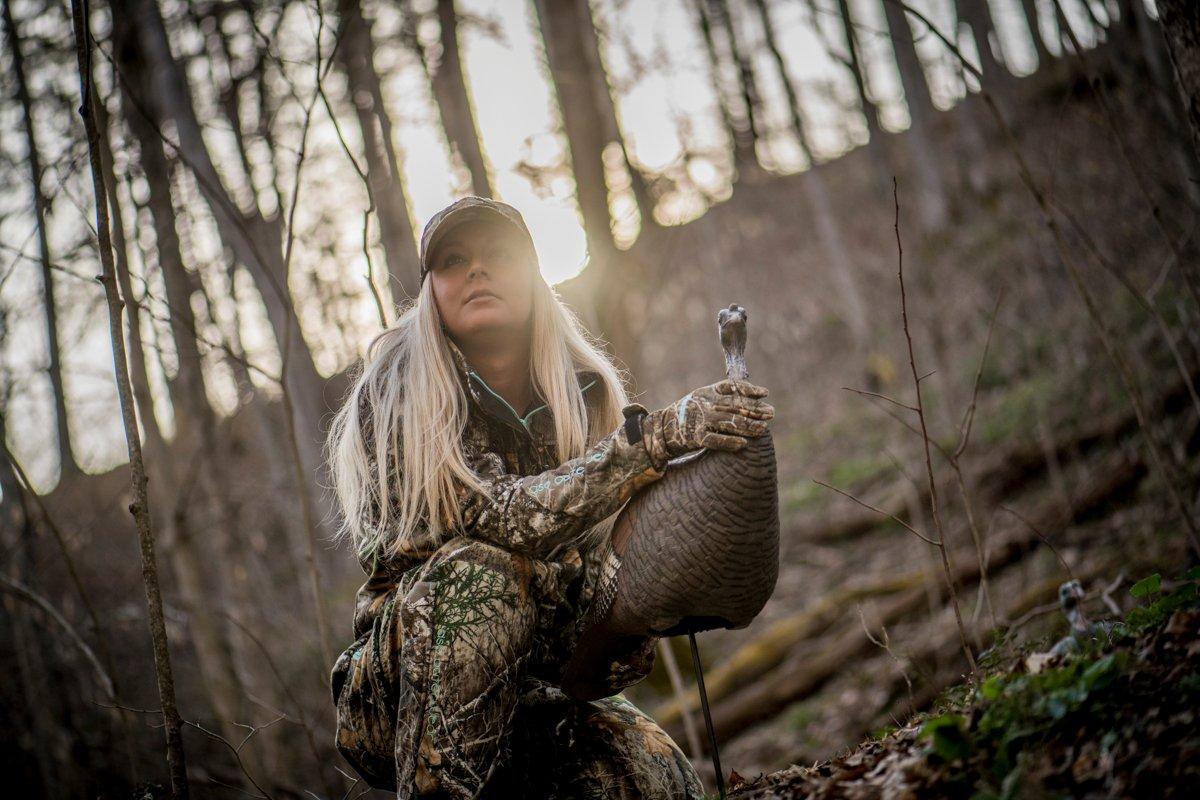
25,593
969,415
287,691
893,401
1062,561
886,645
139,507
676,678
237,751
61,542
1106,595
933,496
881,512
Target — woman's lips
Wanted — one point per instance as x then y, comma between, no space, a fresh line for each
484,296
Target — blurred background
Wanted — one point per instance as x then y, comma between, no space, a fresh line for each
268,167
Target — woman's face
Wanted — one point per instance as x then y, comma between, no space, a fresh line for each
483,280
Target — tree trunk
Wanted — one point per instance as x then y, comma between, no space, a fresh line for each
454,101
137,354
195,422
384,180
1033,20
139,507
748,93
1181,26
737,126
869,109
612,128
255,240
562,24
932,206
978,14
68,468
829,234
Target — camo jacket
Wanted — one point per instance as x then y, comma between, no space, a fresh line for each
505,597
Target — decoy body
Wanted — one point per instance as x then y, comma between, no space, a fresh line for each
696,550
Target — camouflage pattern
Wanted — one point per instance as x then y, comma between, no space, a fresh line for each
451,686
720,416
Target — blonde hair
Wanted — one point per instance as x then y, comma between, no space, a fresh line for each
408,403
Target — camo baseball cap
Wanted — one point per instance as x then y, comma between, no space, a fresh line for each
465,209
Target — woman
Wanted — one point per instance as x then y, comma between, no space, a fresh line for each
483,530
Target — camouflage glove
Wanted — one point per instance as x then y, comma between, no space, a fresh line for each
721,416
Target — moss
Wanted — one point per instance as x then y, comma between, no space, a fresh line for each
991,730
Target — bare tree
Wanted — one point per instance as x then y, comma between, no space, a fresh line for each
562,24
932,206
385,183
256,239
837,260
140,508
1181,27
1033,20
66,460
454,100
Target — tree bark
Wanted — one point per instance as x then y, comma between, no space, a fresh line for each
562,24
384,180
255,240
927,178
68,467
1033,20
829,233
978,15
454,101
1181,27
139,508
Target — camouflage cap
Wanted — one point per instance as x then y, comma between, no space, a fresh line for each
465,209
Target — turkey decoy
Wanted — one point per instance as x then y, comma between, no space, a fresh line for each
696,550
1070,598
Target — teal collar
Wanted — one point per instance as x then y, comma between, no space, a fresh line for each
495,405
498,407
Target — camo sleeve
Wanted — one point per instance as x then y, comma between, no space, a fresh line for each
534,514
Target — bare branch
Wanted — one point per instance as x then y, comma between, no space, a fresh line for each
880,512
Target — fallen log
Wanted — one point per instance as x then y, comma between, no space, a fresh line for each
799,676
999,476
768,649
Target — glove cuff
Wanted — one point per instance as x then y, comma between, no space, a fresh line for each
649,429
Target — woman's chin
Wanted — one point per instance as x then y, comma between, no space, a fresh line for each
485,320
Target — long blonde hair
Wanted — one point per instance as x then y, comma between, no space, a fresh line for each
408,403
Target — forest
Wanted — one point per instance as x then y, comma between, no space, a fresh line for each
965,234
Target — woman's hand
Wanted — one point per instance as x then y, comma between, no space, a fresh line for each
720,416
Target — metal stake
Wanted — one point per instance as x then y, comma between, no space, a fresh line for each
712,736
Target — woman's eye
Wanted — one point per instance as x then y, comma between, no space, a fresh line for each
451,260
